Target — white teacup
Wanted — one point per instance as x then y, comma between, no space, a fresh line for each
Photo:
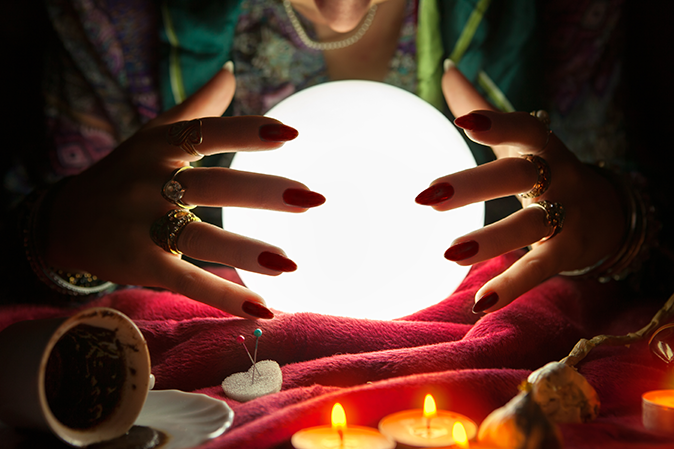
84,378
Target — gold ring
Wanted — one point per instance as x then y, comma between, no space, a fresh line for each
544,177
186,135
173,191
166,230
554,216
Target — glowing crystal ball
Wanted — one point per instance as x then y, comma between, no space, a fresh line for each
370,251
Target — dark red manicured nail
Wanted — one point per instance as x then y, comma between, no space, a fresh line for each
257,310
302,198
462,250
487,301
473,122
276,262
277,132
435,194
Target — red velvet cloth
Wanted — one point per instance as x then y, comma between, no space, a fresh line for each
470,364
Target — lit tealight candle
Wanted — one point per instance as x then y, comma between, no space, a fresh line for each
460,436
428,427
658,411
461,439
339,435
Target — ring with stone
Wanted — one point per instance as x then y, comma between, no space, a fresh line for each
173,191
543,117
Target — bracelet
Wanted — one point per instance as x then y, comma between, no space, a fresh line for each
71,284
642,228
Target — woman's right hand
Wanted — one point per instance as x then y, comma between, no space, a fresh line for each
100,219
594,223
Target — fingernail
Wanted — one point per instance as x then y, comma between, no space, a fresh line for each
257,310
487,301
277,132
302,198
448,64
473,122
229,66
276,262
462,250
435,194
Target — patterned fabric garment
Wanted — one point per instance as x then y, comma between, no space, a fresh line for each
100,87
271,62
583,67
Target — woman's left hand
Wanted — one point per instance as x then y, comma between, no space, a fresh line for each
594,222
120,221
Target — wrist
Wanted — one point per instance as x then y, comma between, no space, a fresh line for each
34,225
641,229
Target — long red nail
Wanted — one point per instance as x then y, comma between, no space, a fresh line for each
302,198
487,301
257,310
277,132
276,262
473,122
435,194
462,250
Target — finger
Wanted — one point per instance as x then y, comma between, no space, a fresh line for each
496,179
518,129
460,94
206,242
539,264
218,135
517,230
189,280
219,187
211,100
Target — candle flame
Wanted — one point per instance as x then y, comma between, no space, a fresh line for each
429,407
338,417
459,435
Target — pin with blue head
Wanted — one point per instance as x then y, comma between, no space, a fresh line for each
257,333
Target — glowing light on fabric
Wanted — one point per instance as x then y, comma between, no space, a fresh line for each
370,251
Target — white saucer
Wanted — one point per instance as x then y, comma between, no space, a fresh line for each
187,419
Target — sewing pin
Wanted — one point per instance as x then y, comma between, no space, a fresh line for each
257,334
241,339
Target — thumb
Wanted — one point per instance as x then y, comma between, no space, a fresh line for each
460,94
211,100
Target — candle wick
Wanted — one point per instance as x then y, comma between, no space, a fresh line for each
340,432
428,427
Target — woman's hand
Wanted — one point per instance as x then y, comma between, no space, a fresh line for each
594,222
100,220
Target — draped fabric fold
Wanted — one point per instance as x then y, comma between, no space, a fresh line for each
196,38
471,364
429,53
